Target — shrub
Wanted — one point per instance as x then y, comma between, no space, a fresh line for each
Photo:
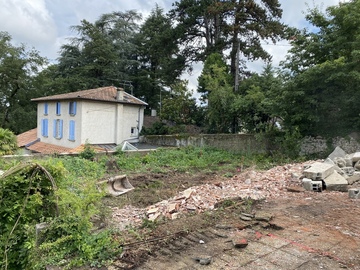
8,142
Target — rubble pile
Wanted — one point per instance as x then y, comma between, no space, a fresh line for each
335,173
249,184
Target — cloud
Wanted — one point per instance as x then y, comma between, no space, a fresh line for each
27,22
45,24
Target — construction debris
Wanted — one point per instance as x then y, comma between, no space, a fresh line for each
291,180
116,185
335,173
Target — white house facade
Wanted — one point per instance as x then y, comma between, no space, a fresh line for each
106,115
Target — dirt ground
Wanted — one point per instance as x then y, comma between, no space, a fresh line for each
293,230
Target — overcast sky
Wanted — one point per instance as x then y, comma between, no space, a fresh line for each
44,24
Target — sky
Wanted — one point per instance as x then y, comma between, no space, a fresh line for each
45,24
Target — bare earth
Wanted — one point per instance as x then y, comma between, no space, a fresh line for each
274,223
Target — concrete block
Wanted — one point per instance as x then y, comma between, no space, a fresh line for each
336,182
307,184
319,171
357,165
354,178
348,162
311,185
340,162
329,161
338,152
316,186
356,157
348,170
354,193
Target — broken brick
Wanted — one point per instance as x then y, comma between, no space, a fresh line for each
240,242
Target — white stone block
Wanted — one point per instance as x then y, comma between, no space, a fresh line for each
356,157
318,171
336,182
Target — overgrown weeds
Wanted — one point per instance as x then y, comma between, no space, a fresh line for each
27,198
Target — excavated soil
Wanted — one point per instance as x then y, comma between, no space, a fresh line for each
285,228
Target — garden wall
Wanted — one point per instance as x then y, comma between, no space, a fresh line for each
237,143
245,143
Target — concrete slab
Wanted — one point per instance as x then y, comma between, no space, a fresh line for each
261,264
282,259
318,171
354,193
354,178
338,152
335,182
355,157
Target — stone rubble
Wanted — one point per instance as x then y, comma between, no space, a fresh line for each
281,181
335,173
251,184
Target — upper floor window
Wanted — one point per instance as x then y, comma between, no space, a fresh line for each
72,107
44,127
46,109
58,108
58,128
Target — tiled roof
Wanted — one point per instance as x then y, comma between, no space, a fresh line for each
107,94
46,148
27,137
81,148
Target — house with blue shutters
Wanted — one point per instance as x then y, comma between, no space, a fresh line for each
102,117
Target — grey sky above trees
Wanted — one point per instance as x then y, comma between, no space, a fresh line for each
45,24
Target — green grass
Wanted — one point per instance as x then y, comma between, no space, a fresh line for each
188,159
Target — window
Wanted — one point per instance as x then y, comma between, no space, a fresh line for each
133,131
58,108
46,109
44,127
58,128
72,107
72,130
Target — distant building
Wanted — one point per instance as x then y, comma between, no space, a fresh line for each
104,117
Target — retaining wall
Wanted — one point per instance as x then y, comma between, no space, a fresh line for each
237,143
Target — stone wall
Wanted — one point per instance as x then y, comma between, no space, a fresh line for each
237,143
321,146
245,143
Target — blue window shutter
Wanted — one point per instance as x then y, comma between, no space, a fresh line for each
45,127
46,108
58,108
72,130
54,129
60,129
72,107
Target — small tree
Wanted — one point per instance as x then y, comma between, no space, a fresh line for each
179,108
8,142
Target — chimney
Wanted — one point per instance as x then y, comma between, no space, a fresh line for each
120,94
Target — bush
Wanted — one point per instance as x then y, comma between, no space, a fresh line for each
8,142
158,128
63,194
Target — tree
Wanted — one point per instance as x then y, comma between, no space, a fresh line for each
208,26
179,108
212,61
102,54
18,69
219,114
158,55
256,104
322,94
